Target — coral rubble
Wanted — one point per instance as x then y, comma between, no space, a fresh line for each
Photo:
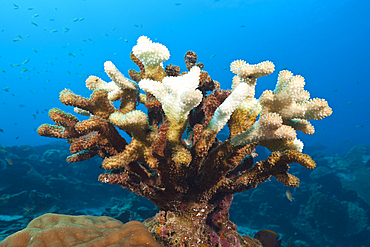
192,180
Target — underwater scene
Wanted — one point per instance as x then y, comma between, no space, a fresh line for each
185,123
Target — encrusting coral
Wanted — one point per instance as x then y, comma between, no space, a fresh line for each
192,180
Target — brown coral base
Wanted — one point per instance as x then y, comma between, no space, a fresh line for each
186,229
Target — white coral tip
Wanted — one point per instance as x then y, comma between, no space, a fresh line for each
150,53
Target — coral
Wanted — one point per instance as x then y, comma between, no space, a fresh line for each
174,157
64,230
151,55
64,127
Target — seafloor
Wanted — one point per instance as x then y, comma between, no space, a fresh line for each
331,208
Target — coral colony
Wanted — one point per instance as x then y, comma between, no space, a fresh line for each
191,180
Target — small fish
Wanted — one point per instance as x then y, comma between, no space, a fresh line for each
81,19
17,39
5,150
51,19
16,65
34,24
71,54
289,196
135,25
1,131
32,91
268,238
75,19
284,68
126,40
26,148
27,60
66,29
21,105
17,138
350,102
9,161
242,26
24,70
54,31
2,70
106,34
31,8
177,4
16,6
35,15
34,116
212,56
113,29
335,90
69,72
28,208
187,142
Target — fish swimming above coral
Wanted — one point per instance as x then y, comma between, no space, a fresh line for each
191,180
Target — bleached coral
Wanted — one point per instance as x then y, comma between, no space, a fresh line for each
292,103
224,111
150,53
268,126
116,87
133,122
249,73
178,95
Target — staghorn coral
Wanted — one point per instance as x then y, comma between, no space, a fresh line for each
192,180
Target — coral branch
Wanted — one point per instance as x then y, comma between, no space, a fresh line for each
175,157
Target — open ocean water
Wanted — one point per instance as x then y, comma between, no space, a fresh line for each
46,46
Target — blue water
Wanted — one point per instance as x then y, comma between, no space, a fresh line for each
46,46
324,41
